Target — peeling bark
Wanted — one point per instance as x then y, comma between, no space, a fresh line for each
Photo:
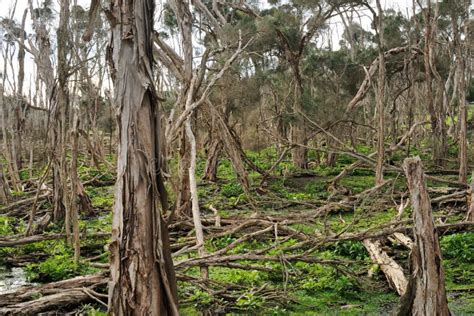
142,275
426,294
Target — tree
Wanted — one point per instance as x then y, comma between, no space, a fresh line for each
143,281
380,95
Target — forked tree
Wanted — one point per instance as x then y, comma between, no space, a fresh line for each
142,275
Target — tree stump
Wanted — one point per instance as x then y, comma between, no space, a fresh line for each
426,294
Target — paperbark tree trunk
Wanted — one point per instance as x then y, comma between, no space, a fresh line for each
58,129
461,85
212,162
436,111
19,106
74,199
299,153
380,95
425,294
4,189
143,281
470,211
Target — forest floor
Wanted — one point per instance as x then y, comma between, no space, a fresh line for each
294,246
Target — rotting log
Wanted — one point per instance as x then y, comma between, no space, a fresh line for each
426,294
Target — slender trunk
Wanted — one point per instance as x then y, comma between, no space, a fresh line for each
470,211
380,100
183,206
143,281
461,85
74,184
436,111
4,189
212,162
194,195
19,112
298,129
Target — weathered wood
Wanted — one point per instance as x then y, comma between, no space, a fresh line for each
47,303
142,281
15,207
391,269
470,212
29,293
5,242
426,294
403,239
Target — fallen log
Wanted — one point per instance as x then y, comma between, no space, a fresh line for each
70,297
403,239
5,242
392,270
29,293
15,207
450,197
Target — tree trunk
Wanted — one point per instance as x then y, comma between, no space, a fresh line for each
470,211
74,199
4,189
380,95
19,115
299,153
212,162
426,294
436,112
143,281
461,85
183,205
58,130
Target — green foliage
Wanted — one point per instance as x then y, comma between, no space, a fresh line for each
57,267
351,249
101,197
6,225
91,310
87,173
250,301
24,175
321,278
458,246
359,183
18,194
232,189
317,189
